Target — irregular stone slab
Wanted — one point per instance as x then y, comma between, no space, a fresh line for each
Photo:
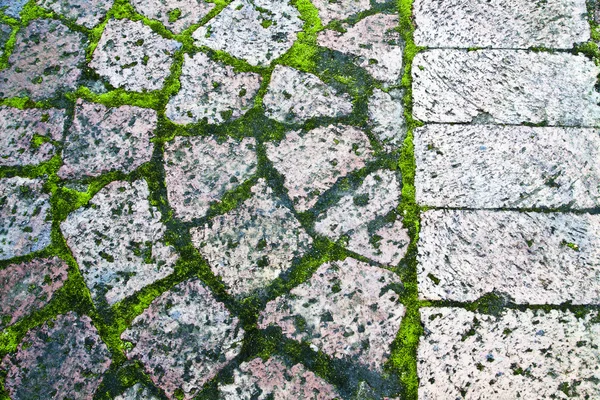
132,56
294,97
486,166
505,87
374,42
118,241
44,62
257,31
88,13
347,310
531,354
5,32
386,115
534,258
200,170
184,338
212,91
26,135
313,161
384,242
338,10
273,379
252,245
137,392
105,139
64,358
12,8
24,217
177,15
501,24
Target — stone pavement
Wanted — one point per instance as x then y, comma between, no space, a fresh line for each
305,199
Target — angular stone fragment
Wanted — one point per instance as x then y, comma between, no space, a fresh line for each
294,97
257,31
24,217
184,338
45,61
386,115
26,135
252,245
501,24
374,43
105,139
487,166
347,310
12,8
88,13
29,286
212,91
118,241
533,258
176,15
137,392
200,170
338,10
64,358
5,32
132,56
531,354
384,242
505,87
312,162
273,379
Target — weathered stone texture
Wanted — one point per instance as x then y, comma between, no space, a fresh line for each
118,241
486,166
505,87
137,392
534,258
339,10
386,116
5,32
347,310
212,91
384,242
12,8
176,15
184,338
200,170
62,359
88,13
530,354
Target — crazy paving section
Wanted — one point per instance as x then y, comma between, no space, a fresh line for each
299,200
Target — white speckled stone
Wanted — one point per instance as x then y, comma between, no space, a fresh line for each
132,56
346,309
340,9
253,244
118,241
211,91
12,8
487,166
313,161
88,13
200,170
190,12
385,243
505,87
501,24
530,354
257,31
137,392
386,116
294,97
534,258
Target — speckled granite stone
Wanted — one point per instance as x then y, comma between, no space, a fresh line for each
386,116
88,13
339,10
176,15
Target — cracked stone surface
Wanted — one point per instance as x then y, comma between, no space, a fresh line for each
347,310
177,15
24,217
339,10
65,359
313,161
534,258
200,170
257,31
486,166
118,241
253,244
88,13
373,42
29,286
44,62
132,56
386,115
184,338
530,354
273,379
104,139
12,8
500,24
294,97
27,135
465,86
212,91
137,392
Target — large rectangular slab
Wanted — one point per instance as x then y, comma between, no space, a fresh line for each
491,166
513,24
530,354
505,87
534,258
